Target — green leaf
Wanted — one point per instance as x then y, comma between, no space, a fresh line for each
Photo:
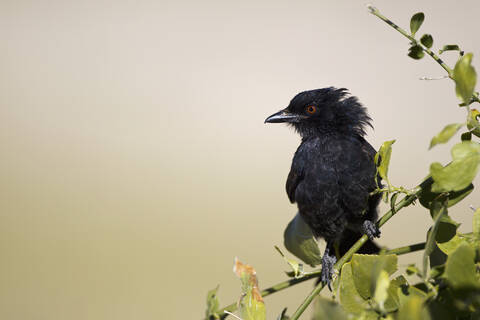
451,245
212,305
438,210
472,122
436,207
328,309
300,241
426,195
366,270
445,134
449,47
474,238
465,78
415,22
446,230
416,52
460,172
444,306
437,271
368,315
297,268
385,197
476,224
437,258
251,305
393,201
393,301
466,136
350,299
406,291
412,269
460,268
427,40
381,289
382,159
413,309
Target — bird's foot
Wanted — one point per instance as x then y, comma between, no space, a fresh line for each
328,261
371,229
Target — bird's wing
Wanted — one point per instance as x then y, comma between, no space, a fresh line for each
370,153
367,147
294,178
357,176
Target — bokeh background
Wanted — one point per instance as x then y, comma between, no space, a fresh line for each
135,163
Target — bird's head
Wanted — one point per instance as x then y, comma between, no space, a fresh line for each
321,111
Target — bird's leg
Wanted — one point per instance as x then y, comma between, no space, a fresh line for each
371,229
336,246
328,261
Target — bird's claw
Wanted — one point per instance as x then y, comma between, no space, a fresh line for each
371,229
328,263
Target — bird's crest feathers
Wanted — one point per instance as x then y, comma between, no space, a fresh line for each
337,111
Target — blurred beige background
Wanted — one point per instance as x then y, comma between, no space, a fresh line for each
135,164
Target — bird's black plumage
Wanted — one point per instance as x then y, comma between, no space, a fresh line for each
333,170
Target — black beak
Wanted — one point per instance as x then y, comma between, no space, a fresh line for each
283,116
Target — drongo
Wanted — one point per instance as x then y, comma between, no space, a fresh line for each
333,170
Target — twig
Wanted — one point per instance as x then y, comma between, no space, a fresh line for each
398,251
275,288
290,283
376,12
406,249
433,78
232,314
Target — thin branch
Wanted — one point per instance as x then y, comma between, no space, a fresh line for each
407,249
433,78
376,12
271,290
311,275
233,315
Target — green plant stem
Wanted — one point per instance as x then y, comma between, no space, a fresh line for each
407,200
407,249
376,12
347,256
391,189
275,288
291,282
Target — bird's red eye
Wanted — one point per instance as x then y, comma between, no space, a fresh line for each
311,109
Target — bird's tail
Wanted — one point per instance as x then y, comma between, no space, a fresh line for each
350,237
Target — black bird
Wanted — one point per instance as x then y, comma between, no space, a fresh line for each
333,170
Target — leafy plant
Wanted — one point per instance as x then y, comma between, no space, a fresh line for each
447,286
